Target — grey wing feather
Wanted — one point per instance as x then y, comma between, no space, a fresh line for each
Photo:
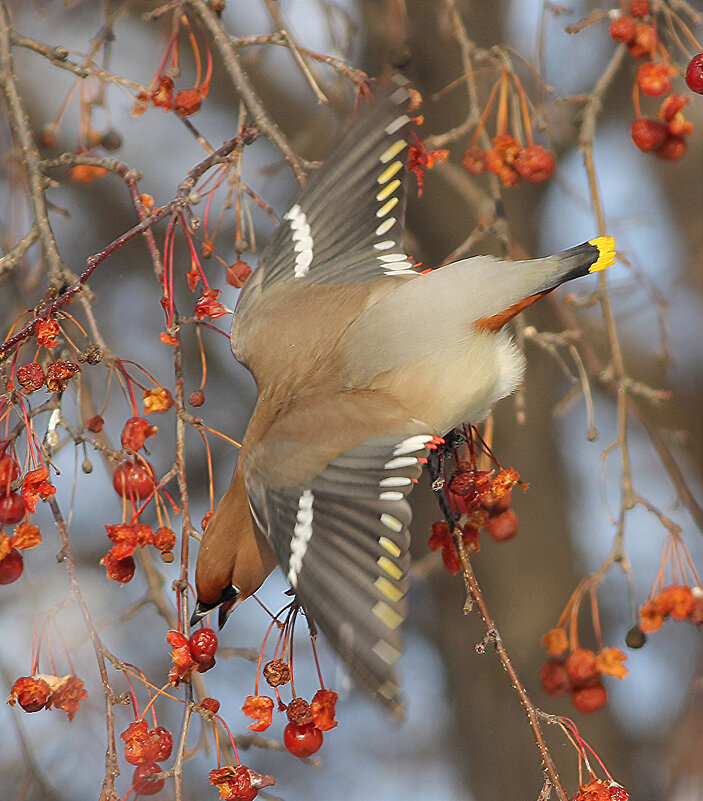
342,540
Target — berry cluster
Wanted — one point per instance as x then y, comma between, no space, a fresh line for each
664,136
480,500
144,748
509,159
16,506
302,735
580,673
676,601
43,691
190,654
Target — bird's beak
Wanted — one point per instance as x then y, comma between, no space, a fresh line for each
227,602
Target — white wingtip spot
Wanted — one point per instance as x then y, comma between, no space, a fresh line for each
386,207
389,172
387,615
390,590
397,123
395,481
389,567
393,150
384,228
389,546
412,444
302,241
387,243
401,461
391,495
386,652
391,522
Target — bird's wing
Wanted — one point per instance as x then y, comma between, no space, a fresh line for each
342,540
346,225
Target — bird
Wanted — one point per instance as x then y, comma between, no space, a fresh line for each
362,363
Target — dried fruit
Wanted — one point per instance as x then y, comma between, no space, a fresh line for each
158,399
164,539
277,672
299,712
211,704
238,273
31,376
162,96
187,102
31,693
622,29
644,40
474,160
35,485
555,678
555,641
639,8
239,783
581,666
209,306
68,695
95,424
673,148
26,535
135,432
535,163
121,570
323,709
260,709
610,662
654,78
503,526
590,699
47,332
196,398
59,373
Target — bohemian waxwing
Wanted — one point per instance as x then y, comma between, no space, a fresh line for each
361,362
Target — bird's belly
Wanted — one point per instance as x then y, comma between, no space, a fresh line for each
458,383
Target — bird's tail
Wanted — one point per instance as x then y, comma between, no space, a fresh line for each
590,257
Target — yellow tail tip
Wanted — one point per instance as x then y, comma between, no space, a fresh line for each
606,253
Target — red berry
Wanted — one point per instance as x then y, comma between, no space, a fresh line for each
581,666
11,508
302,741
673,148
142,786
590,699
694,74
644,41
121,570
196,398
203,644
639,8
648,134
653,78
622,29
211,704
554,677
502,526
165,739
31,693
9,470
133,479
11,567
535,163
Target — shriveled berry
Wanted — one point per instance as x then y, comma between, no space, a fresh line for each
648,134
654,78
187,102
196,398
474,160
165,738
59,373
502,526
590,699
302,741
238,273
639,8
299,712
121,570
622,29
11,567
581,666
277,672
203,645
644,41
164,539
133,479
95,424
31,693
31,376
555,678
673,148
140,779
11,508
211,704
694,74
535,163
135,431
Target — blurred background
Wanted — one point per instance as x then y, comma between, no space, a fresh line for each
465,735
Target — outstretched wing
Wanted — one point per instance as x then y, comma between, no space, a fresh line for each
342,540
347,223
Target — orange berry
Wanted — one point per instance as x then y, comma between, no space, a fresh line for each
590,699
